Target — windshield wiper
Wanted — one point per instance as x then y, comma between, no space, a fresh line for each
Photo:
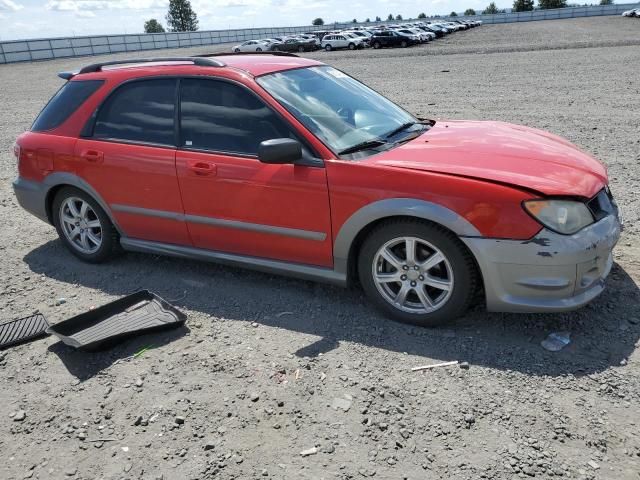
362,146
402,127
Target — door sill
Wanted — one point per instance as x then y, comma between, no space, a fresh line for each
278,267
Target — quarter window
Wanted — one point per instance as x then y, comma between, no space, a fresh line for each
140,111
64,103
224,117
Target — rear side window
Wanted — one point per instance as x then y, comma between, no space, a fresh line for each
140,111
64,103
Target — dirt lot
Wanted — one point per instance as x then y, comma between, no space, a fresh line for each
269,367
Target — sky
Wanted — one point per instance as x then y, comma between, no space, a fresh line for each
62,18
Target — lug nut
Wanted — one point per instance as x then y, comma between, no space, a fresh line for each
421,278
403,277
416,267
405,267
413,284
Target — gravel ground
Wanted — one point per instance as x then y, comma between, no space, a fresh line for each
270,379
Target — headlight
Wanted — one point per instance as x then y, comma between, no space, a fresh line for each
562,216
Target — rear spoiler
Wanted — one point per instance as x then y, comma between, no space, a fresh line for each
67,75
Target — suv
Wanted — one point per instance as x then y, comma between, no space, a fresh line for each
341,40
290,166
392,38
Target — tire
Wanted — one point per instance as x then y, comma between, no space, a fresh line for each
237,50
455,274
300,49
327,48
258,49
352,46
404,44
376,45
109,245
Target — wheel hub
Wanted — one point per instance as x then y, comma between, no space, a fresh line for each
413,275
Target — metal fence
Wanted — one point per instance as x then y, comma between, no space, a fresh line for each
49,48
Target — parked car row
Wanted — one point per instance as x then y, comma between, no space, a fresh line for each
400,35
632,13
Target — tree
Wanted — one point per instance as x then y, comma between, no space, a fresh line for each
453,14
153,26
546,4
491,9
317,21
606,2
422,15
399,17
522,5
181,17
368,20
390,17
378,19
469,12
354,20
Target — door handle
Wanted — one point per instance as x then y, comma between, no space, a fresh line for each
93,156
201,168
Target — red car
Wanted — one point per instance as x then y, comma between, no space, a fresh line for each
287,165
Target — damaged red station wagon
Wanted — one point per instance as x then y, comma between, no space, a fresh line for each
287,165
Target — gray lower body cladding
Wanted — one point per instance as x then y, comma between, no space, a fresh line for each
548,273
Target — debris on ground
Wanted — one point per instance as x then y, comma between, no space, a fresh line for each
556,341
435,365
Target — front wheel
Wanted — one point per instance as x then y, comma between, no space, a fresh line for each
237,50
300,49
327,48
352,46
376,45
258,49
83,226
404,44
417,272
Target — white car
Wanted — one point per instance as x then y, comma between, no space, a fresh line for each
251,46
411,34
362,34
341,40
424,36
632,13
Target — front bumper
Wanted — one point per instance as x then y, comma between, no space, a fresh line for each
548,273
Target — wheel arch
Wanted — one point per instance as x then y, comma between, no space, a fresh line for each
353,232
57,181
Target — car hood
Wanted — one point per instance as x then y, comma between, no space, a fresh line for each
501,152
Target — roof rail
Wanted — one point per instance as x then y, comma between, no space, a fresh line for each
200,62
227,54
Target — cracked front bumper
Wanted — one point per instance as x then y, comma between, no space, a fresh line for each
548,273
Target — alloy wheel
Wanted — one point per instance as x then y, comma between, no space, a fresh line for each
412,275
80,225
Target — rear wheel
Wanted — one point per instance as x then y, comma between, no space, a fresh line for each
258,49
352,46
84,228
417,272
376,45
300,49
404,44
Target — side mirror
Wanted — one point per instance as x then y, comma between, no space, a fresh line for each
280,150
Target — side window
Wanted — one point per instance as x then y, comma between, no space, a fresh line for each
64,103
140,111
223,117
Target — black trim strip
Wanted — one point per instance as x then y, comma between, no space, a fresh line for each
220,222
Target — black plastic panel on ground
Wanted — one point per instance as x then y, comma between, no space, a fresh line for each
22,330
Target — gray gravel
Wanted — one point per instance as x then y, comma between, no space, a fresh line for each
277,378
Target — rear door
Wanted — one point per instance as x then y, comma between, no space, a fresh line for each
233,202
129,159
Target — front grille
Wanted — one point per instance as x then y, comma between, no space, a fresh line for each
603,204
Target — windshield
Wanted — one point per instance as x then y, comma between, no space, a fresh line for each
339,110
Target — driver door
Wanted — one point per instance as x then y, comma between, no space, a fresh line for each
233,202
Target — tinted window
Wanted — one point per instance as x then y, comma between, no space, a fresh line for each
64,103
223,117
140,111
